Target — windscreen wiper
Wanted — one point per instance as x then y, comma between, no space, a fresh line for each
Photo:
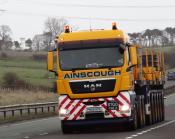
109,67
74,69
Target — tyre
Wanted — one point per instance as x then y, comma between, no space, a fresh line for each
140,112
65,129
163,107
155,107
133,124
159,108
143,111
149,117
152,108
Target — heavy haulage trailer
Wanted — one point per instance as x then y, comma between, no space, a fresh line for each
103,79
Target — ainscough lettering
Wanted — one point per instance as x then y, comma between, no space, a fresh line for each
91,74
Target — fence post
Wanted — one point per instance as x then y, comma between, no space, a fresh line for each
13,113
28,111
53,108
42,109
21,112
5,114
35,110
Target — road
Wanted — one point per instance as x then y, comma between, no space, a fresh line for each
50,129
169,83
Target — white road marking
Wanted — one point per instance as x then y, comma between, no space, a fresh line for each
42,134
149,130
139,133
129,137
26,137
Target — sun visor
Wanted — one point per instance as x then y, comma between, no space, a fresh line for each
89,43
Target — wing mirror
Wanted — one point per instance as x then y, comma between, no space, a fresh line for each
133,54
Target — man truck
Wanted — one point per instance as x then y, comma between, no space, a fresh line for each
103,79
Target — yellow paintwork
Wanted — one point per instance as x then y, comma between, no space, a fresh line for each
151,72
133,53
90,35
50,61
124,82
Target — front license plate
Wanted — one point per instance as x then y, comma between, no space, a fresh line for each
93,109
112,105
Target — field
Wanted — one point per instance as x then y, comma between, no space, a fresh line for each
26,68
29,69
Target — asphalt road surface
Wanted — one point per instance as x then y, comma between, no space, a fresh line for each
50,129
169,83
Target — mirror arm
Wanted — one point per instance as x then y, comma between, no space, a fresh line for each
129,68
56,74
128,44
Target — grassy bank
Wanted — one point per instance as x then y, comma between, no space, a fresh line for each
27,67
25,97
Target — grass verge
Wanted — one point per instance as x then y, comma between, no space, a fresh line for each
25,97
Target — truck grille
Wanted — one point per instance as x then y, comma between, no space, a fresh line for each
92,86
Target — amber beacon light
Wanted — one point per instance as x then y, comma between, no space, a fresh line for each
66,29
114,26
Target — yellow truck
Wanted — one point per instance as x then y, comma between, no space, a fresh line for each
105,80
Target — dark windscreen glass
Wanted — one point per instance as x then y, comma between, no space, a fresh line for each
91,58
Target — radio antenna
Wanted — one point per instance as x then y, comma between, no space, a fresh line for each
90,24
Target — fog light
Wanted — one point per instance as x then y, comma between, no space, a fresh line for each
63,112
124,108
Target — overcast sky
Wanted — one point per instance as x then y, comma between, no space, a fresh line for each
26,17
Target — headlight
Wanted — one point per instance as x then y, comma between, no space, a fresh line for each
63,112
124,108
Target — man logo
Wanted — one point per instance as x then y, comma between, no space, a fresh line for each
92,87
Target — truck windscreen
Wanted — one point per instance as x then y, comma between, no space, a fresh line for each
92,58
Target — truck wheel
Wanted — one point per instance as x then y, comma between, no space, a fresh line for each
143,111
149,117
133,124
159,107
163,107
140,112
65,129
152,107
161,111
154,110
157,104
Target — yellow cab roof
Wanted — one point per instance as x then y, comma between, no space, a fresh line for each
93,34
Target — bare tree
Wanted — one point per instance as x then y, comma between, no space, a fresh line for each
5,38
55,26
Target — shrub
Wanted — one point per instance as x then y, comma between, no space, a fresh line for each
11,80
39,57
4,55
